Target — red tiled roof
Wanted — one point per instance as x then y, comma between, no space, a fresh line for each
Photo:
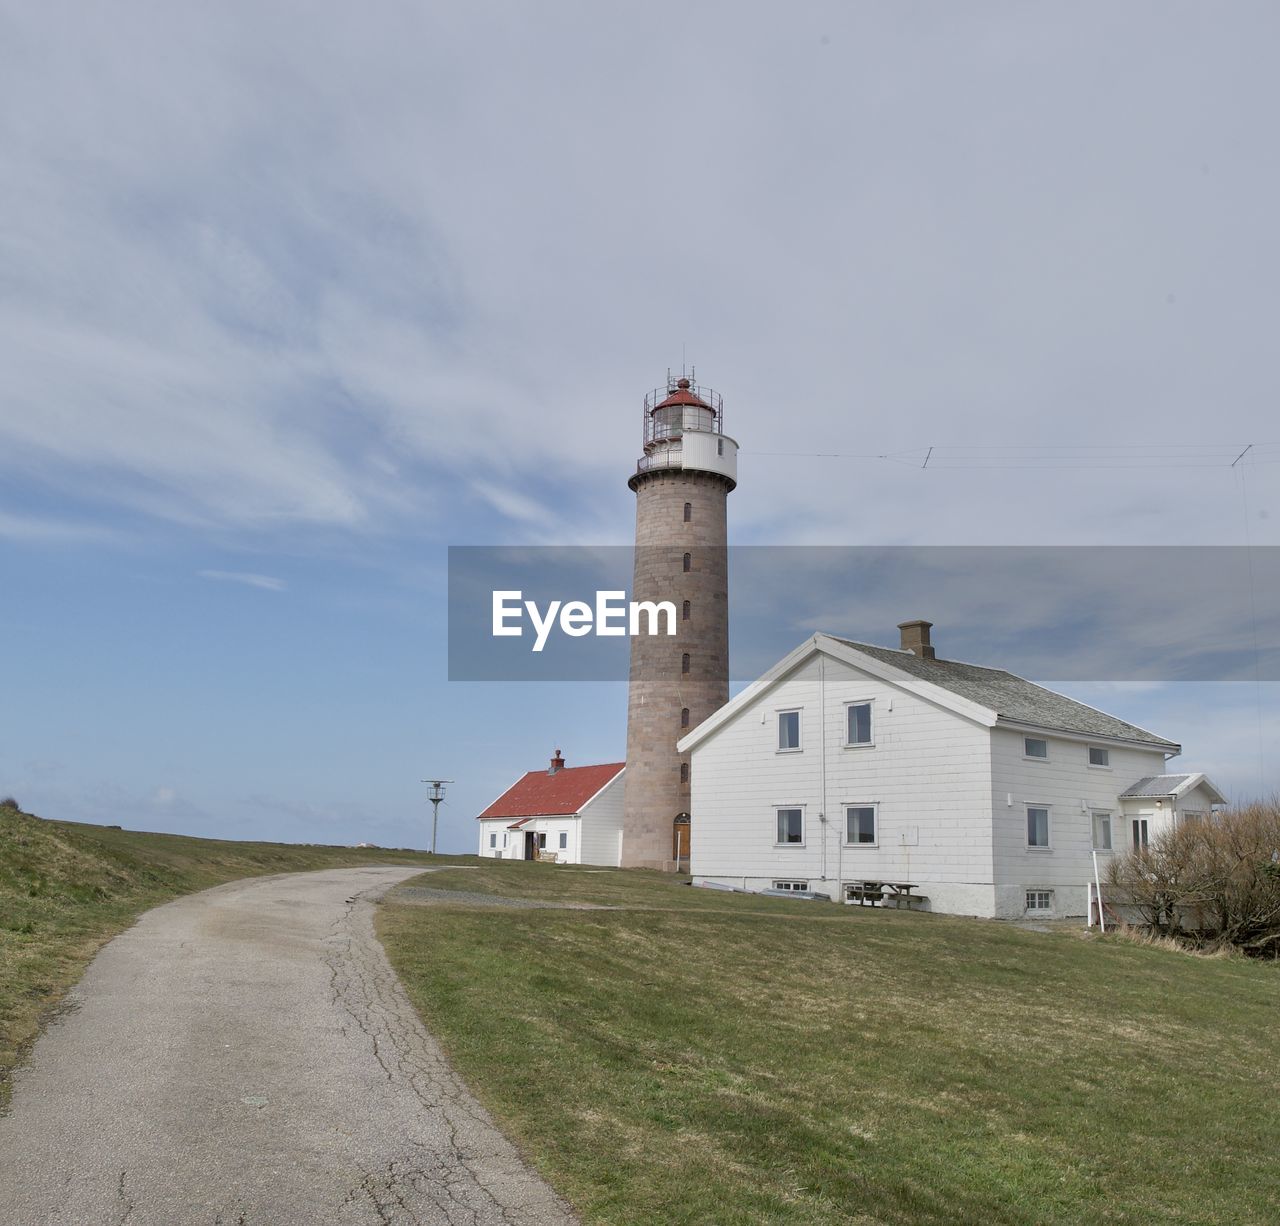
538,794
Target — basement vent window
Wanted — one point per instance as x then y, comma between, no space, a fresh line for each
791,885
1040,901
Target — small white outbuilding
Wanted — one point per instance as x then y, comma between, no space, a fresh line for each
851,770
570,814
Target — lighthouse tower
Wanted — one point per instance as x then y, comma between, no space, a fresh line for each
681,483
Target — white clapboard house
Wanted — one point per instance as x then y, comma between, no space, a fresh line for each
850,770
572,814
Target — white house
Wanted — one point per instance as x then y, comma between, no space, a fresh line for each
848,766
571,813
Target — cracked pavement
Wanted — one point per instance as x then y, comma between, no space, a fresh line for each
246,1057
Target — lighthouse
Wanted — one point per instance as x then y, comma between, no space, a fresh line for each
682,484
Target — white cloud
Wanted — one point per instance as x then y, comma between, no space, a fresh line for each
37,530
267,582
273,268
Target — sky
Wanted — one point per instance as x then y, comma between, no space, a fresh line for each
293,297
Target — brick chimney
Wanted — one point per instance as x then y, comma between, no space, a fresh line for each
557,764
915,637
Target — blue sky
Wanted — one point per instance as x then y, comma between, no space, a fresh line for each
294,297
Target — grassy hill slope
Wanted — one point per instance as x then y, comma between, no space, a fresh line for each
701,1057
65,888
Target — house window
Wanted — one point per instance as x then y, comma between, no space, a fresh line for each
1037,826
493,840
684,611
684,662
1034,747
1191,816
1139,833
788,731
1101,830
859,732
688,512
790,885
564,839
790,827
1098,756
860,826
1039,900
504,839
542,841
684,772
688,562
684,717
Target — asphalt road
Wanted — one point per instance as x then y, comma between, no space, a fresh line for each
246,1056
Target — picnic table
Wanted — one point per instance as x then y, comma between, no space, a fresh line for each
882,894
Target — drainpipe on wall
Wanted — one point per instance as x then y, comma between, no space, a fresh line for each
822,757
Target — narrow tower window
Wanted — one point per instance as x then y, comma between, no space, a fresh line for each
688,562
684,611
684,662
688,512
684,717
684,772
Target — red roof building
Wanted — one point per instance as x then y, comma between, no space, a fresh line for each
572,814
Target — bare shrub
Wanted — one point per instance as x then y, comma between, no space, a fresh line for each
9,803
1213,881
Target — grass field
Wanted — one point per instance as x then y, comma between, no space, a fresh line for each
700,1057
66,888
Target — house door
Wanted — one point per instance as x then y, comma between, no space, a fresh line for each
530,845
1139,833
680,842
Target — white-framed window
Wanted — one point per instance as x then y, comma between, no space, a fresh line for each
493,840
790,885
564,840
1035,747
1101,830
1191,815
860,826
1038,827
858,730
788,731
790,829
1040,900
1139,831
542,841
1098,756
504,840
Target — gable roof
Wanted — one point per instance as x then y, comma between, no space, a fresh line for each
538,794
1014,699
989,696
1163,786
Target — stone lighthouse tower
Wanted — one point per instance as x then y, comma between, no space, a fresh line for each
681,483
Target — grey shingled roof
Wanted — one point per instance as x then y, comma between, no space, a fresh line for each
1011,698
1156,785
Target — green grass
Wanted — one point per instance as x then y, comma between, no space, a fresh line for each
65,888
701,1057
